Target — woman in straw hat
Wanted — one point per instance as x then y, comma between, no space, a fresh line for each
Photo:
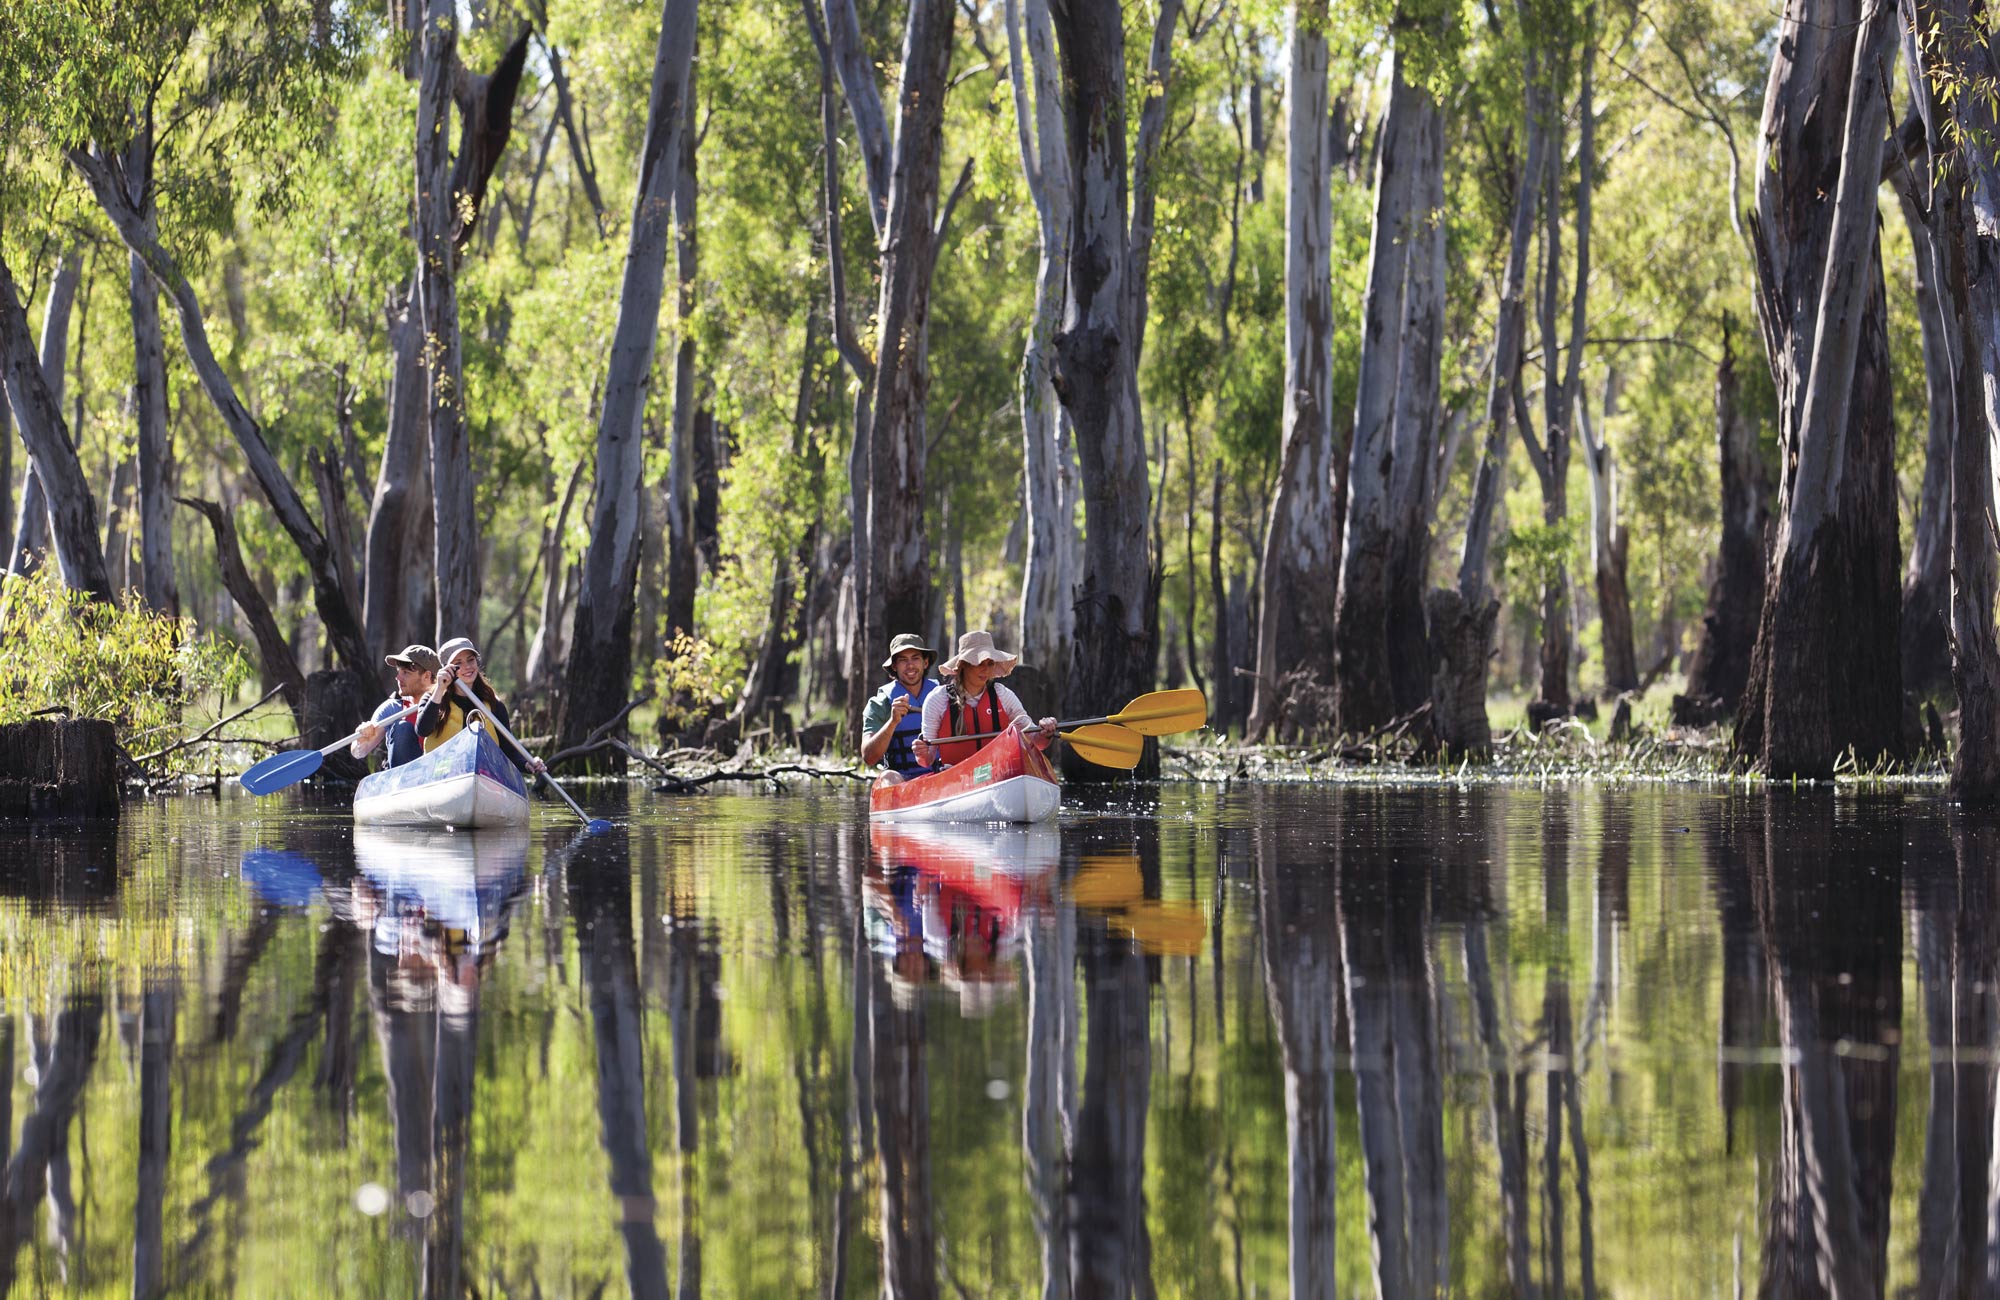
973,702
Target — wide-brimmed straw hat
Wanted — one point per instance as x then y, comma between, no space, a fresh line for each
978,648
906,641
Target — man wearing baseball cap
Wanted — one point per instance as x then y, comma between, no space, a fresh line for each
893,719
416,666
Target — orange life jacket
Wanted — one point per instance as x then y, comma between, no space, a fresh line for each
970,724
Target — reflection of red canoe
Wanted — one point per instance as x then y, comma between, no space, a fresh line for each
1006,781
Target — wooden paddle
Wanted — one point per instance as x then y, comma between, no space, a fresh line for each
295,765
594,825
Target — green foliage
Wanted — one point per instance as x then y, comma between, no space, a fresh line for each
120,662
692,679
1533,555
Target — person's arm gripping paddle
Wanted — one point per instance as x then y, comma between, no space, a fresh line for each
1039,734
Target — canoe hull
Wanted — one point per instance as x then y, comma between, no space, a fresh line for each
1006,781
465,783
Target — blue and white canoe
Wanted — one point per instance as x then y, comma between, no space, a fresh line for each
465,782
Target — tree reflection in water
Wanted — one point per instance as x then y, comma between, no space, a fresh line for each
1830,928
1306,1041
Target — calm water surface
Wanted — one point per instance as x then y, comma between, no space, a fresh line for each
1193,1043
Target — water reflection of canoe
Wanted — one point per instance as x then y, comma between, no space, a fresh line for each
459,884
1006,781
946,902
465,782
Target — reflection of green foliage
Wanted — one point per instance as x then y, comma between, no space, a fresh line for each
120,662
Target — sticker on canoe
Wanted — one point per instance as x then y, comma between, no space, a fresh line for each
982,774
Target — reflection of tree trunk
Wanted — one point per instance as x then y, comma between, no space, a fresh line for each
600,899
1110,1251
1048,1111
691,1010
1398,1087
156,1098
405,1016
1508,1101
45,1132
903,1131
1830,928
451,1131
1302,976
1957,965
1746,1021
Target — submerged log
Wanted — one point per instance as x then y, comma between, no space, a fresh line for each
53,767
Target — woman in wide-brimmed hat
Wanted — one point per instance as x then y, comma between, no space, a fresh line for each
974,702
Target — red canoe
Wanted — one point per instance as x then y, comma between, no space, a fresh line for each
1006,781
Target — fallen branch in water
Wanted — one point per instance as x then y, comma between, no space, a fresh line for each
190,741
690,784
600,735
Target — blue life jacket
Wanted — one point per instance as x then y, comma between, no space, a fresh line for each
901,755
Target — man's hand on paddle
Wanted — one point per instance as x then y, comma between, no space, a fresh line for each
899,708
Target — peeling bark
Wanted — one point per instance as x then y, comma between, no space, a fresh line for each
1610,545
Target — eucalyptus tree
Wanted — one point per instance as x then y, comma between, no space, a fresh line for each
1048,615
1824,675
902,173
1461,618
38,410
597,674
1721,667
1958,94
1381,664
81,83
1301,543
31,538
1097,350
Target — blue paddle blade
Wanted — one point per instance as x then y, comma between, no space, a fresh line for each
598,826
281,770
286,879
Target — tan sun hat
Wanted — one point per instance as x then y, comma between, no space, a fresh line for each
978,648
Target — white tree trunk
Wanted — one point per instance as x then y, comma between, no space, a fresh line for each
72,512
32,522
1301,562
1395,423
155,451
455,565
600,649
1048,615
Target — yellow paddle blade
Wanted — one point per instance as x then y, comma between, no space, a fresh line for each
1163,713
1107,745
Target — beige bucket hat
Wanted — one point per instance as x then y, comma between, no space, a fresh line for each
978,648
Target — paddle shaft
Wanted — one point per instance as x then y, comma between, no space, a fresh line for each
514,740
355,735
988,735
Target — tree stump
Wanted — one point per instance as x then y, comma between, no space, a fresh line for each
52,767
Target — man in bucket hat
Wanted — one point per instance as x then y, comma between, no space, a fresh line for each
416,666
891,723
973,702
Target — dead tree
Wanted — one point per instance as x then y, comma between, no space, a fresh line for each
32,537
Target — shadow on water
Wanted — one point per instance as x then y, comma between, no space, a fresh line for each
1275,1041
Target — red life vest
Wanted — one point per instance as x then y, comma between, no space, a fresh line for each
970,725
